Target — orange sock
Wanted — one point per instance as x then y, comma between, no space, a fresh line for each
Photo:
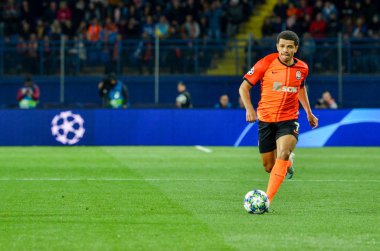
277,177
289,164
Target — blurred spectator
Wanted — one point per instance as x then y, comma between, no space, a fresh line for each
109,32
235,15
183,100
47,54
64,12
328,10
369,10
55,31
347,11
292,10
305,9
148,27
162,28
190,29
224,102
374,27
142,57
94,30
360,28
214,16
318,7
358,9
133,28
51,13
267,29
191,8
175,54
25,30
32,54
318,27
40,29
304,24
78,13
292,24
26,14
114,93
334,26
326,102
28,95
280,9
11,15
347,28
175,13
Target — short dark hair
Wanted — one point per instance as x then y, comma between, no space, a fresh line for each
289,35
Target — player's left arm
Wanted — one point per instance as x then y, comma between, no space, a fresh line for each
303,98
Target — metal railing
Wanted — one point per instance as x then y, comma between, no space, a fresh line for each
170,57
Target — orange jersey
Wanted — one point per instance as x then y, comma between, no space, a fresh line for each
280,85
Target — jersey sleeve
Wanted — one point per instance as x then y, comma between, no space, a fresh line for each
257,71
304,78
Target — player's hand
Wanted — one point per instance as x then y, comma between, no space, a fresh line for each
251,115
313,121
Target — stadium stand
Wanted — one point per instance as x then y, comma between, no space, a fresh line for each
96,29
211,37
357,19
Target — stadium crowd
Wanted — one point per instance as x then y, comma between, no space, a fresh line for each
319,23
32,29
100,24
103,19
325,18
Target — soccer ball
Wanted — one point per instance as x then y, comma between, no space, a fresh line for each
256,202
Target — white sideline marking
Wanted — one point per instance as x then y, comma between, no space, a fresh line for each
203,149
169,180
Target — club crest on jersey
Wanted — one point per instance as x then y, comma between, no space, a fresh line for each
298,75
251,71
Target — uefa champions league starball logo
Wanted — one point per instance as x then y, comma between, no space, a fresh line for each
67,128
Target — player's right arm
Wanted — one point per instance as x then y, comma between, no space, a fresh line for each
244,89
251,78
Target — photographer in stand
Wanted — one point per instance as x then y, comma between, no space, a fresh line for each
28,95
113,92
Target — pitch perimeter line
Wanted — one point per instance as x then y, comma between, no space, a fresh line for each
169,180
203,149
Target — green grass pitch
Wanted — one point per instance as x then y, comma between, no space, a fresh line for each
180,198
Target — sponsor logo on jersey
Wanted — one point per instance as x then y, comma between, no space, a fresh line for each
298,75
278,86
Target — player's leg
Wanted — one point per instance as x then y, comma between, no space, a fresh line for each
287,136
267,145
285,145
290,170
291,127
268,159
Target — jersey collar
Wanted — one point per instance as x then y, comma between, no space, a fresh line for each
294,63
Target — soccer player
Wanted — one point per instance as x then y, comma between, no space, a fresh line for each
282,79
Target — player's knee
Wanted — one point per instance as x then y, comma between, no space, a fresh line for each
283,154
268,165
